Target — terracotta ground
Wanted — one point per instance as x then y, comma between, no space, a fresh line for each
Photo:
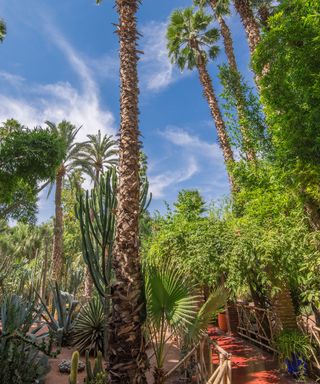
250,364
55,377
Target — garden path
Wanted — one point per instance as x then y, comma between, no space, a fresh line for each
250,364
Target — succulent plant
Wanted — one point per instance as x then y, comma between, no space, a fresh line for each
88,331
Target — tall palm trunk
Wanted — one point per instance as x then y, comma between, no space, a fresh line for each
57,253
264,14
249,22
127,357
210,96
228,45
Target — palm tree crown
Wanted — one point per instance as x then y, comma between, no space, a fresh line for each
96,155
221,7
3,30
68,133
189,39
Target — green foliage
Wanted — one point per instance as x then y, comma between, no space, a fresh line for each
96,215
3,30
89,327
171,304
64,307
96,155
74,368
293,344
199,325
235,92
193,241
27,157
97,374
287,61
190,39
22,349
23,251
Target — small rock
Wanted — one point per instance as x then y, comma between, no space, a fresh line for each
65,366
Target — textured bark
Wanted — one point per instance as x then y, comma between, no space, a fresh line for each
228,46
283,306
127,358
57,252
159,376
249,22
313,213
264,14
88,283
223,138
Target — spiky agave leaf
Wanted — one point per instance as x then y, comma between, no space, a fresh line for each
88,328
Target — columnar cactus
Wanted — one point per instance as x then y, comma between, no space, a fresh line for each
74,368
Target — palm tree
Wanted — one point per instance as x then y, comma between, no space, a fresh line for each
263,9
188,37
251,26
67,132
3,30
221,9
97,155
127,359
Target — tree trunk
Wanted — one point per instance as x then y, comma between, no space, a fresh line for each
224,141
44,275
57,253
264,14
249,22
127,357
284,309
88,283
228,46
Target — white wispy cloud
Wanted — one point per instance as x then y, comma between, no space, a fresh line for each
37,103
157,72
205,169
182,138
162,181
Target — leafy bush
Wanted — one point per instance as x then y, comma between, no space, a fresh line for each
293,344
89,326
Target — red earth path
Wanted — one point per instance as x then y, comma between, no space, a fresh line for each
250,364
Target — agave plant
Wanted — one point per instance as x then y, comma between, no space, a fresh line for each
18,315
64,307
89,326
171,306
22,349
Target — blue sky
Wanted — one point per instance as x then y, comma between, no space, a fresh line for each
60,61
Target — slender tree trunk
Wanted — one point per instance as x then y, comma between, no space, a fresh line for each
44,275
249,22
127,357
57,253
224,141
228,46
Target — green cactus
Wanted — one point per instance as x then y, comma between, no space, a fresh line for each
74,368
97,375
